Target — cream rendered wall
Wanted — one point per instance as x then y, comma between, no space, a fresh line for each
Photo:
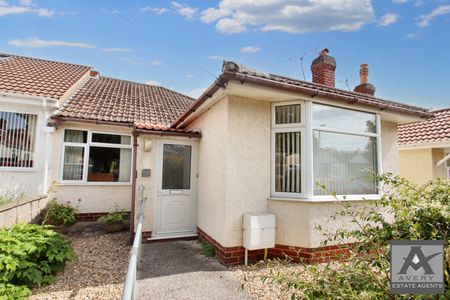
212,154
244,154
247,171
89,197
417,165
31,181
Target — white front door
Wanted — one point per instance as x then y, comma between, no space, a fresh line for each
175,213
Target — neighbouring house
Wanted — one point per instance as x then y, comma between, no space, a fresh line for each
425,148
253,142
31,90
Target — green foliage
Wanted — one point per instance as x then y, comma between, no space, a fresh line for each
14,292
405,212
60,214
114,217
208,250
30,255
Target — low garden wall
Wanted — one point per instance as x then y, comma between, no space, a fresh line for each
24,211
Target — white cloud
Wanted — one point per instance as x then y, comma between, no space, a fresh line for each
411,36
26,2
116,49
35,42
190,76
250,49
184,10
292,16
153,82
216,57
155,10
24,7
388,19
195,93
133,61
424,20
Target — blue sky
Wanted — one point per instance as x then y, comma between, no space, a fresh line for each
174,43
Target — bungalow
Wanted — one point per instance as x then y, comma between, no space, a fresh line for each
425,148
253,142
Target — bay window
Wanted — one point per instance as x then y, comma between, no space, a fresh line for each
96,157
338,148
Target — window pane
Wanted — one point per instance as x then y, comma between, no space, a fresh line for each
17,138
341,118
176,167
73,163
287,114
288,162
75,136
111,139
343,163
109,164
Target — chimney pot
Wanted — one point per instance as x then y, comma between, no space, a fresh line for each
323,69
364,87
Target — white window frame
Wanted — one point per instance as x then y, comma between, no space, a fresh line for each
86,147
307,163
35,143
293,127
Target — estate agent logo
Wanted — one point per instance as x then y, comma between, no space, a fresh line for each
417,267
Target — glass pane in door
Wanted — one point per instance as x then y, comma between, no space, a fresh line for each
176,167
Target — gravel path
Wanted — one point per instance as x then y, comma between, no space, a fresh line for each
98,273
179,270
257,279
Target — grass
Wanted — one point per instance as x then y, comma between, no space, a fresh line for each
208,250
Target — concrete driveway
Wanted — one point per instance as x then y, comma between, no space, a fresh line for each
178,270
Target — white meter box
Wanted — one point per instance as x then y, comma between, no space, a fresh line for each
259,231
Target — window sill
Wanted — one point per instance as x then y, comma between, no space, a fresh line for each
11,169
94,184
329,199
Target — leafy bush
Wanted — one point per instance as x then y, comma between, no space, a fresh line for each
13,292
60,214
405,212
114,217
208,250
30,255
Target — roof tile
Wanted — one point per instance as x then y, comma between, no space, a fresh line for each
38,77
436,129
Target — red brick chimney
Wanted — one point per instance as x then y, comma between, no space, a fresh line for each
365,87
323,68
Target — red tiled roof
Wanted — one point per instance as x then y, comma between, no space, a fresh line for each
113,100
434,130
38,77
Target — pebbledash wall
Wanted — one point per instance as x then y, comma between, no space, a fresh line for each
234,178
419,165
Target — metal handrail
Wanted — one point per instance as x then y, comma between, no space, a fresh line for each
129,286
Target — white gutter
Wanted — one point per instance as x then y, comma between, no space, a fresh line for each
54,102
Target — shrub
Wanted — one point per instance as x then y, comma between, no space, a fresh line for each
114,217
13,292
30,255
60,214
208,250
405,212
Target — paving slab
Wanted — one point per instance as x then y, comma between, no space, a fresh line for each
179,270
